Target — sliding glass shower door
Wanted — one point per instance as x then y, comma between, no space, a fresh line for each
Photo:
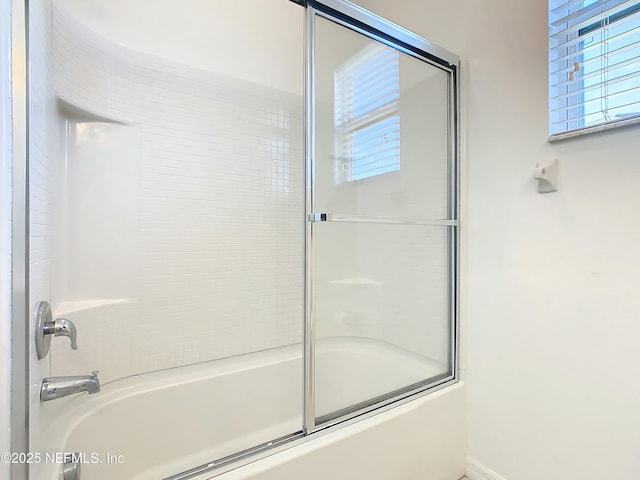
167,223
249,254
382,220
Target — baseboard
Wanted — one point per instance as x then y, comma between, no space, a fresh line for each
476,471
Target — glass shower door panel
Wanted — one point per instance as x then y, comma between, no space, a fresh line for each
383,251
382,120
381,304
167,215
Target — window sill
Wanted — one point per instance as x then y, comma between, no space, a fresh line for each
598,128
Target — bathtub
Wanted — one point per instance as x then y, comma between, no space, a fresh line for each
153,426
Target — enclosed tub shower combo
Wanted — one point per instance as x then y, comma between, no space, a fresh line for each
242,244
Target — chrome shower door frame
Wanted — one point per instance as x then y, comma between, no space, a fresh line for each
19,238
377,28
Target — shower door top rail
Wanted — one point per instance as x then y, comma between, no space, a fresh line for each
398,36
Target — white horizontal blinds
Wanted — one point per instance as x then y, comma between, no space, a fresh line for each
594,63
367,123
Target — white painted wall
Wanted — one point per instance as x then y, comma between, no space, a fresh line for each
552,279
5,229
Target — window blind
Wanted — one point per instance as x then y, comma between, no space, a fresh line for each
367,124
594,63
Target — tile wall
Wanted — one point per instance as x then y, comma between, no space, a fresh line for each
184,199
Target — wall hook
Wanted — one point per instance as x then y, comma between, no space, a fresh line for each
547,177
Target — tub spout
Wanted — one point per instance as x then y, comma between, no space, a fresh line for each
58,387
71,466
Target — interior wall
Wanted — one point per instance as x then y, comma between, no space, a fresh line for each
552,279
5,229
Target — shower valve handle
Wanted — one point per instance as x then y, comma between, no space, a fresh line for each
61,327
46,326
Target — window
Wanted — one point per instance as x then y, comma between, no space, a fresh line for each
367,124
594,64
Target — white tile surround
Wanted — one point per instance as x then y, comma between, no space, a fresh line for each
207,262
43,146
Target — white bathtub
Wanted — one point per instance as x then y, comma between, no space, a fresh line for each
163,423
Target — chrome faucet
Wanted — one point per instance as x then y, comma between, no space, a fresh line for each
58,387
71,466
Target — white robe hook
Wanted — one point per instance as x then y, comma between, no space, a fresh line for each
547,177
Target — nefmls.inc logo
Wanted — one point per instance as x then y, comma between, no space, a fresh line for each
74,457
84,458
